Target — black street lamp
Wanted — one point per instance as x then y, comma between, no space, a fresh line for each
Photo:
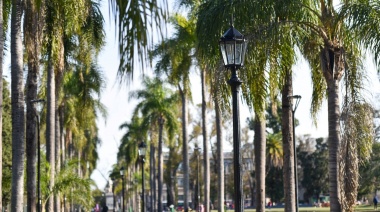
142,151
297,99
233,47
122,186
39,205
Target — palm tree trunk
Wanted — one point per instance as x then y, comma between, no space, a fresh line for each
33,51
160,163
31,138
58,85
287,139
185,150
155,183
1,101
332,64
206,157
260,148
333,143
152,177
50,131
220,159
17,94
62,137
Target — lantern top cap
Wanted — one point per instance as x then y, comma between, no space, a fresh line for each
295,97
142,145
232,34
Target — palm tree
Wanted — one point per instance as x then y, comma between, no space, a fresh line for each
84,31
17,95
175,61
156,107
206,157
127,154
33,25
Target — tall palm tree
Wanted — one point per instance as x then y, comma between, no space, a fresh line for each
175,61
128,150
156,107
33,27
206,156
17,94
83,30
193,6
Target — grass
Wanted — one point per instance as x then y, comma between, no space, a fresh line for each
366,208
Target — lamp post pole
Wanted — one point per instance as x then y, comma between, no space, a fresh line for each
142,151
294,108
39,204
235,88
39,164
122,186
143,186
233,47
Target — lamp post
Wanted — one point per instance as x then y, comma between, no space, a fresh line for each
233,47
122,186
142,151
297,99
39,205
198,191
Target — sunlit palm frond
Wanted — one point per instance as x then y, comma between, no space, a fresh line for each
135,20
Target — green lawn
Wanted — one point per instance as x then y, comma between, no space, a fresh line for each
311,209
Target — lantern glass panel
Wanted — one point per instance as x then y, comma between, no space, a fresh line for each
230,53
243,52
142,151
223,50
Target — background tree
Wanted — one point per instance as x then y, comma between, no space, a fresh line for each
369,172
314,168
156,107
7,146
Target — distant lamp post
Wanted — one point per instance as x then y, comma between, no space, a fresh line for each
297,99
122,187
233,47
142,152
39,205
